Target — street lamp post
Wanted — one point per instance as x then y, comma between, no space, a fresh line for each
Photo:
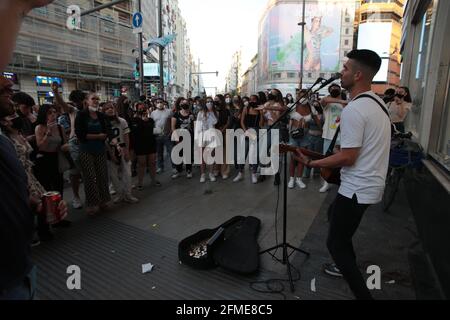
302,24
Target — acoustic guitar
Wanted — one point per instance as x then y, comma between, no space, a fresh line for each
330,175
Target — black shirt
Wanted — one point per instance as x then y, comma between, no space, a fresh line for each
224,115
16,219
184,122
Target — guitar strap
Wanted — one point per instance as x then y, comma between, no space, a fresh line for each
333,142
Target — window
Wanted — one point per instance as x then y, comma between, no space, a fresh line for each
346,31
291,75
443,148
309,75
346,42
347,19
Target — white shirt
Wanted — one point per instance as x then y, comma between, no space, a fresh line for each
332,113
119,130
364,125
160,117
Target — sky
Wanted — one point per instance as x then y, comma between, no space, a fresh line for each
217,29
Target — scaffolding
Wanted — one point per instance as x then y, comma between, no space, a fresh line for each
100,51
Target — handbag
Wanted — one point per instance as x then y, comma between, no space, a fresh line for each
65,161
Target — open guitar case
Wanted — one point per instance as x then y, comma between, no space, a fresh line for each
233,246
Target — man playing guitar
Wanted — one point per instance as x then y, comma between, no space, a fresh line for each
364,158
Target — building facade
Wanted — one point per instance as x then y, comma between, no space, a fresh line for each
426,71
249,83
328,37
98,57
381,20
233,78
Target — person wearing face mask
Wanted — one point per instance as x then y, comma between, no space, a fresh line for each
251,119
236,108
332,108
119,165
224,122
207,119
184,119
198,106
92,129
142,128
161,116
289,98
24,103
400,107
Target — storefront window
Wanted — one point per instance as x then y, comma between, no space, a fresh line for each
443,152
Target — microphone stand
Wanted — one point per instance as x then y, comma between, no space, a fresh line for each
285,245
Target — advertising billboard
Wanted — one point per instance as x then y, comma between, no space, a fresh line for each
381,31
280,40
151,69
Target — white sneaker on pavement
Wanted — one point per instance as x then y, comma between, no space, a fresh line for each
118,199
203,178
291,183
189,175
224,177
325,187
238,177
175,175
174,171
159,170
300,183
254,178
76,203
212,177
130,199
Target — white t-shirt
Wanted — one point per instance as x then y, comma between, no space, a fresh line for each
364,125
161,118
332,113
119,130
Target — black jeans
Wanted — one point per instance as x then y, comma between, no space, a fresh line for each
345,217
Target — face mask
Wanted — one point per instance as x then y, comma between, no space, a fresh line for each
185,106
246,103
271,97
217,103
17,123
93,109
160,106
335,93
400,96
253,104
227,100
209,105
290,99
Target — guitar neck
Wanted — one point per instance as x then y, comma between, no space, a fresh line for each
314,155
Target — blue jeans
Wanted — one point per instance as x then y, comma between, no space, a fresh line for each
315,144
161,142
254,167
25,291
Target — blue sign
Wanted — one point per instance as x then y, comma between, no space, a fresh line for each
47,81
137,20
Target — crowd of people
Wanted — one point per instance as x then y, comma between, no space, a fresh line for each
106,144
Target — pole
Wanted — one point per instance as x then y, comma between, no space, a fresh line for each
141,58
161,56
198,80
301,46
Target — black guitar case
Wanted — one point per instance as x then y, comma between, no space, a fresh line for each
233,245
239,251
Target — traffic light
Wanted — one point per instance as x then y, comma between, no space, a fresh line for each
136,70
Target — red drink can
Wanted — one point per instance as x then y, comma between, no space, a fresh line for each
50,202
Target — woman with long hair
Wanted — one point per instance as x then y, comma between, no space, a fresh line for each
207,119
224,121
92,129
400,107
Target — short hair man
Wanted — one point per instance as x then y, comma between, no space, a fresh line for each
364,158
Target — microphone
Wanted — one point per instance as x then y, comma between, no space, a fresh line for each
336,76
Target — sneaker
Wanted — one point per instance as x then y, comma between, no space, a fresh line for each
212,177
332,270
175,175
118,199
76,203
225,177
35,243
203,178
238,177
254,178
156,183
189,175
291,183
325,187
130,199
159,170
111,190
174,171
300,183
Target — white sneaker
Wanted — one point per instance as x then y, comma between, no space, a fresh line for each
212,177
291,183
111,190
225,177
76,203
300,183
174,171
159,170
203,178
189,175
175,175
130,199
254,178
238,177
118,199
325,187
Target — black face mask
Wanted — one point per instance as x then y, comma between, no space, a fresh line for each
17,123
253,104
399,96
335,93
217,103
271,97
185,106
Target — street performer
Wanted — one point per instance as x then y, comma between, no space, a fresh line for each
364,158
